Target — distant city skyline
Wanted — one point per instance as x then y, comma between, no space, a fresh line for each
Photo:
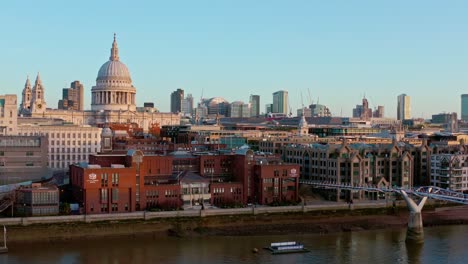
332,52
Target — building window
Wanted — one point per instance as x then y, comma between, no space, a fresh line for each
115,195
104,179
29,163
103,195
29,153
115,179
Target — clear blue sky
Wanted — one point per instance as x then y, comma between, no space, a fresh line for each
337,50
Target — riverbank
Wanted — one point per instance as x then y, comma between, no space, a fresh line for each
238,225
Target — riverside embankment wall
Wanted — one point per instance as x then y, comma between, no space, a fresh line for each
143,215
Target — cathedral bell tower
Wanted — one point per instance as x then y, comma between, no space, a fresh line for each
27,97
38,104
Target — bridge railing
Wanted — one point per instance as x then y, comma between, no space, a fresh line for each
422,191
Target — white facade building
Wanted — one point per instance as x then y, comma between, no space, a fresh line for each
68,144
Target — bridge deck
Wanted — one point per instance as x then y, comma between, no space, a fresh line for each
421,191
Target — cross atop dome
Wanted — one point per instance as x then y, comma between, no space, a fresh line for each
114,50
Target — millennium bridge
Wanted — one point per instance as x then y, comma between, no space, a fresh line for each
415,225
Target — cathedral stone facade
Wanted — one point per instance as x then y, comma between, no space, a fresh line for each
113,99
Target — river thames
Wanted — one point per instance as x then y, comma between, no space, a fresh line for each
444,244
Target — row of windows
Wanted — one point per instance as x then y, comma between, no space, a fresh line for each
72,150
29,153
276,172
73,142
104,193
68,157
73,135
63,135
232,190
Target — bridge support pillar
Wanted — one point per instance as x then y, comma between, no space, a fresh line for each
415,232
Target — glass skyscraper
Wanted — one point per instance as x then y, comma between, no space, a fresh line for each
464,107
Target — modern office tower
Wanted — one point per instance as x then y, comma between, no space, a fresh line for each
176,101
307,112
379,112
72,98
464,107
187,105
239,109
404,107
363,111
8,114
280,102
255,105
448,120
268,108
319,110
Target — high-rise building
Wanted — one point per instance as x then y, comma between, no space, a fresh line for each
187,105
176,101
72,98
268,108
255,105
448,120
363,111
280,102
464,107
318,110
404,107
379,112
239,109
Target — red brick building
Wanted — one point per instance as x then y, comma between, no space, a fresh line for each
276,183
134,181
227,194
124,183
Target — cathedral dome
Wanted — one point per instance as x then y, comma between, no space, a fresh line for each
113,90
113,69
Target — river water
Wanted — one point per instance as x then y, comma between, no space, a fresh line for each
445,244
